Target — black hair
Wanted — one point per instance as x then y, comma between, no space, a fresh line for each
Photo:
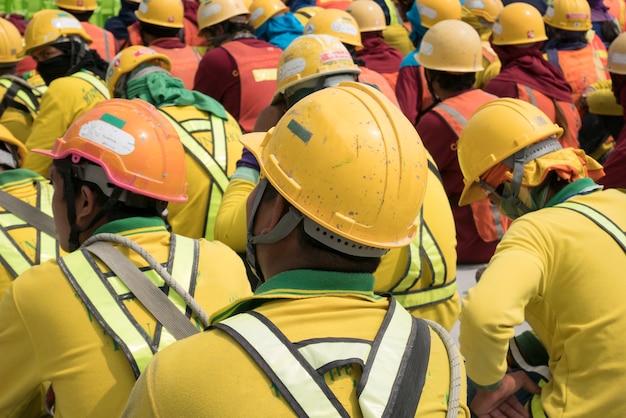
453,82
80,15
159,31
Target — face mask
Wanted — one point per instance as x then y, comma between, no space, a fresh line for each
54,68
513,206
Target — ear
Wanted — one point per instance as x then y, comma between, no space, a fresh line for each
277,209
86,206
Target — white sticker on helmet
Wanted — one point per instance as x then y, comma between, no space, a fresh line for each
426,11
65,23
343,27
108,136
426,48
617,58
497,28
291,68
257,13
210,10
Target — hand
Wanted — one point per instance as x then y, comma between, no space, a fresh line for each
586,92
501,402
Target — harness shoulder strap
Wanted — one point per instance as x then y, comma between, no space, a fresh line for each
96,82
599,219
34,216
148,294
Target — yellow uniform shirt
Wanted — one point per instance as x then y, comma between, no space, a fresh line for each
564,275
185,380
65,99
48,334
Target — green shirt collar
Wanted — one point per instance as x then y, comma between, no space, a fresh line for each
17,176
299,284
133,225
578,187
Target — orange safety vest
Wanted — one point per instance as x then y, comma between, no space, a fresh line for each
581,68
599,51
618,9
379,81
489,55
184,63
427,97
392,79
257,70
333,4
548,106
456,111
103,41
133,35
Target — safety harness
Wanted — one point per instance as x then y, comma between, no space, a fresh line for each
19,214
20,95
214,165
394,364
104,293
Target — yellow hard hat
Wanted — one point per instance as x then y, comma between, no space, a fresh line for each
518,23
77,5
166,13
303,14
262,10
9,138
337,23
452,46
130,58
573,15
368,14
312,56
433,11
212,12
616,62
48,27
10,42
496,131
487,9
351,162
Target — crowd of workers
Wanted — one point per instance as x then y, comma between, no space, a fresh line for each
257,208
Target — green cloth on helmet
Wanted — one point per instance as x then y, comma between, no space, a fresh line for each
161,89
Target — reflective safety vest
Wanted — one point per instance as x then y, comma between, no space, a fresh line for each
377,80
95,81
549,107
257,69
214,163
424,247
456,111
103,41
12,256
104,294
599,219
184,63
385,388
20,95
581,68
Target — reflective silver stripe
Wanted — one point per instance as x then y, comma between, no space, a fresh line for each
94,81
453,112
26,100
102,298
282,362
12,257
323,353
214,165
599,219
531,95
386,365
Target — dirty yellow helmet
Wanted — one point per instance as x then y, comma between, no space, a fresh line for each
368,15
574,15
337,23
212,12
10,42
303,14
351,163
433,11
518,23
166,13
8,158
487,9
310,57
48,27
130,58
77,5
496,131
262,10
452,46
616,62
